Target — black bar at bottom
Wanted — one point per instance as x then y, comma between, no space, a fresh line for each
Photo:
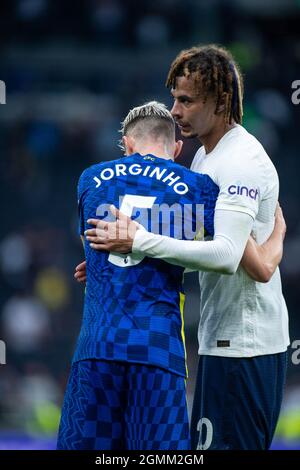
128,459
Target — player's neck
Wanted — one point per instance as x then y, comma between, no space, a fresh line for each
156,151
210,140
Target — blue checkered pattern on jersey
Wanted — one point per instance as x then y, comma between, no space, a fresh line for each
118,406
133,313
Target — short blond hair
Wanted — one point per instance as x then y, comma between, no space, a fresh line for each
151,119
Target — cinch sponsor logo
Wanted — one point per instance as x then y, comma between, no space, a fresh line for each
243,191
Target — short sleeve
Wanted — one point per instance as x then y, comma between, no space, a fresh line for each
240,186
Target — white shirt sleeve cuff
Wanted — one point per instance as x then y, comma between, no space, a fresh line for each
140,235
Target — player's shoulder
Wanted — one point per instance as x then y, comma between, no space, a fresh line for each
91,173
199,155
201,185
241,144
257,158
96,168
189,174
202,180
240,152
243,162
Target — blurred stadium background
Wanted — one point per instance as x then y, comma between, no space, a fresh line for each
72,70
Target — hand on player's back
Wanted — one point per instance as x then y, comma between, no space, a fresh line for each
112,236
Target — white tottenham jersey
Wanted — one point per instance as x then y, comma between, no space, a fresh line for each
240,317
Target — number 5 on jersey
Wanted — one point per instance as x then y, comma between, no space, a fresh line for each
128,203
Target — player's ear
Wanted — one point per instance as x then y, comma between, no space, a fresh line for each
178,148
128,143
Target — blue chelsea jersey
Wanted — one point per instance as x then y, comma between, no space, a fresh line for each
133,305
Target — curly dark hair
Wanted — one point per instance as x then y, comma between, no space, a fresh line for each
215,73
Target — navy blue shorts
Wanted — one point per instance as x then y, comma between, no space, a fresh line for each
117,405
237,402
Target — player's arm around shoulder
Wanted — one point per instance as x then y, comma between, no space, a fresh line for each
261,261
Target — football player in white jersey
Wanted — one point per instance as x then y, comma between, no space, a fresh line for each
243,330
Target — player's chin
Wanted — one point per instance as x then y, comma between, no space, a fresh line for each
192,135
188,133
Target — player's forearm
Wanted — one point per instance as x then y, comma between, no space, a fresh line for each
261,261
220,255
213,255
273,249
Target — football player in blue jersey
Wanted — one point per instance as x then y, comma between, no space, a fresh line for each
126,388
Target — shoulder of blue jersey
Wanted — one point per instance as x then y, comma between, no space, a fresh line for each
94,169
97,167
191,184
